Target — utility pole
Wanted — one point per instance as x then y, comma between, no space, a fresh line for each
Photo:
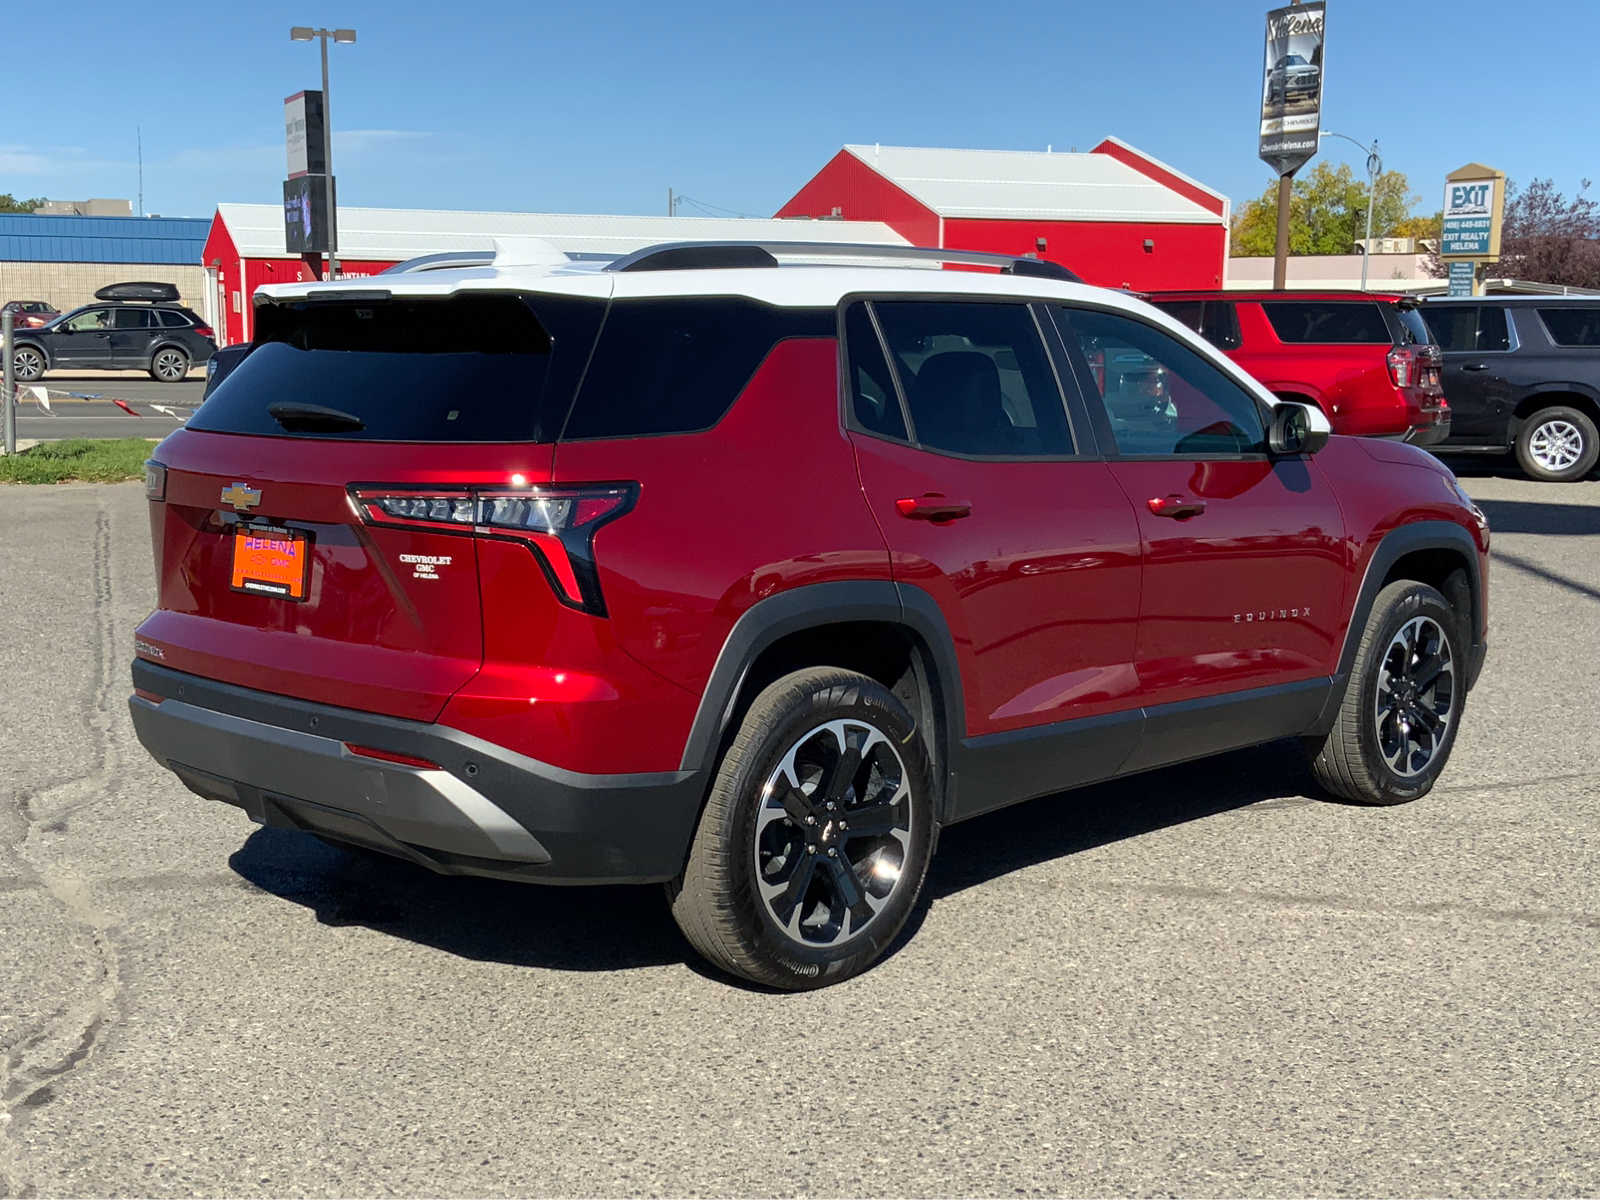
672,204
138,134
1280,254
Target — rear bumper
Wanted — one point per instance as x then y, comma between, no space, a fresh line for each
485,810
1430,435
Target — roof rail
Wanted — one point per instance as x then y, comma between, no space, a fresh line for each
441,262
679,256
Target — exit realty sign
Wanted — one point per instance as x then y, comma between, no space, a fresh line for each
1473,199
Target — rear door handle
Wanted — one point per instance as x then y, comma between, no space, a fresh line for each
1474,366
933,507
1176,506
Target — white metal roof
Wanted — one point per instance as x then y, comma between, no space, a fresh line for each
1028,184
393,234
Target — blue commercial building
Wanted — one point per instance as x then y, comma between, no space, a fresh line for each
175,241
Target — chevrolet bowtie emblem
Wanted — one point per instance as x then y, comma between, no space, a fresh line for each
242,496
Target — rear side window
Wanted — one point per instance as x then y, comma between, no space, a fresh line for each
677,365
1413,329
1215,320
482,368
1334,321
1572,326
1468,328
976,376
131,318
171,318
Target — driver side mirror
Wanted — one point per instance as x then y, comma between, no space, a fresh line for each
1297,429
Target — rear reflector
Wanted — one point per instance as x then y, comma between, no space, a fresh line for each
152,697
404,760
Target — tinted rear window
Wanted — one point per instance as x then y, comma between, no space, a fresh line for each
1468,328
467,369
1413,328
677,365
171,318
1572,326
1334,321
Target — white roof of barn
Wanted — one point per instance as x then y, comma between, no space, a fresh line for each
384,234
1030,185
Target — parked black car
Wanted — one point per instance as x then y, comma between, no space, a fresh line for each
1522,374
163,338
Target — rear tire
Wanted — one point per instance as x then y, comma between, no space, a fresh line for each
1402,707
1558,444
27,363
169,365
778,887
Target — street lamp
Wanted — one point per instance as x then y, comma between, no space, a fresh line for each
1374,169
304,33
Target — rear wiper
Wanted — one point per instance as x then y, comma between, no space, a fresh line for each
312,416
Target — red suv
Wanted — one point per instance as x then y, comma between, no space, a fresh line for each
747,579
1366,359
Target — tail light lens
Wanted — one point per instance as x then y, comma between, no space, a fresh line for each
155,480
557,524
204,331
1402,366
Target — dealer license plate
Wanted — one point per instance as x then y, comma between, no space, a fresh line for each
269,561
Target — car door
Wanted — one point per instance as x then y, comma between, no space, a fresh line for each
1244,573
82,340
994,504
1476,341
132,330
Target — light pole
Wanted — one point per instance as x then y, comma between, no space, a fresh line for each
304,33
1374,169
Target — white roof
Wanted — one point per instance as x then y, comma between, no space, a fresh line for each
395,234
1028,184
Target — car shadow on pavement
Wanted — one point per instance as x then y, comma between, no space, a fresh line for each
1530,516
488,920
615,928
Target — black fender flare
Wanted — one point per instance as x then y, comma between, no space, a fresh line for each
1395,545
816,606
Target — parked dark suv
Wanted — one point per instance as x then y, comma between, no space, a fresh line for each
1522,374
747,579
162,338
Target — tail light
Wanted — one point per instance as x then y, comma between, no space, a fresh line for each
1402,366
557,524
205,331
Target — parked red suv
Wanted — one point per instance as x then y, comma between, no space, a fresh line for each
1366,359
749,578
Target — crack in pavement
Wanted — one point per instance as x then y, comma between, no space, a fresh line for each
35,1061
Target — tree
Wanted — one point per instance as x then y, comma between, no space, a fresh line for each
10,204
1546,237
1327,213
1420,227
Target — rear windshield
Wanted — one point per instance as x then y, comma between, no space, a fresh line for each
1414,328
488,368
1332,321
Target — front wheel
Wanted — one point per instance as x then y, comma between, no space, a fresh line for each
27,363
1558,445
1402,705
816,836
169,365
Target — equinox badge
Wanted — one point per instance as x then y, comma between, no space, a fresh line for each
241,496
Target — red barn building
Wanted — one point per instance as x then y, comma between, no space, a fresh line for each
1116,216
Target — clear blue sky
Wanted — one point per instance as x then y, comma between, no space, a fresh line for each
600,107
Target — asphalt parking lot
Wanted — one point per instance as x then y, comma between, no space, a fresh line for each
71,415
1201,981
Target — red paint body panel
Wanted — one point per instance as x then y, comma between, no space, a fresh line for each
1039,585
1252,591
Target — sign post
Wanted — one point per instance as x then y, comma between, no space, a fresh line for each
1474,205
7,323
1291,105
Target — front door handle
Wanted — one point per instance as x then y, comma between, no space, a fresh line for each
1474,366
1176,506
933,507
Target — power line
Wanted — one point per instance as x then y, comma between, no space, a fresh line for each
711,210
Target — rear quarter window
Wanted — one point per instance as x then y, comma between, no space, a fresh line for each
677,365
1346,322
1572,326
483,368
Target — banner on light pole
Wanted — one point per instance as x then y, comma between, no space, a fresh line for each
1291,86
